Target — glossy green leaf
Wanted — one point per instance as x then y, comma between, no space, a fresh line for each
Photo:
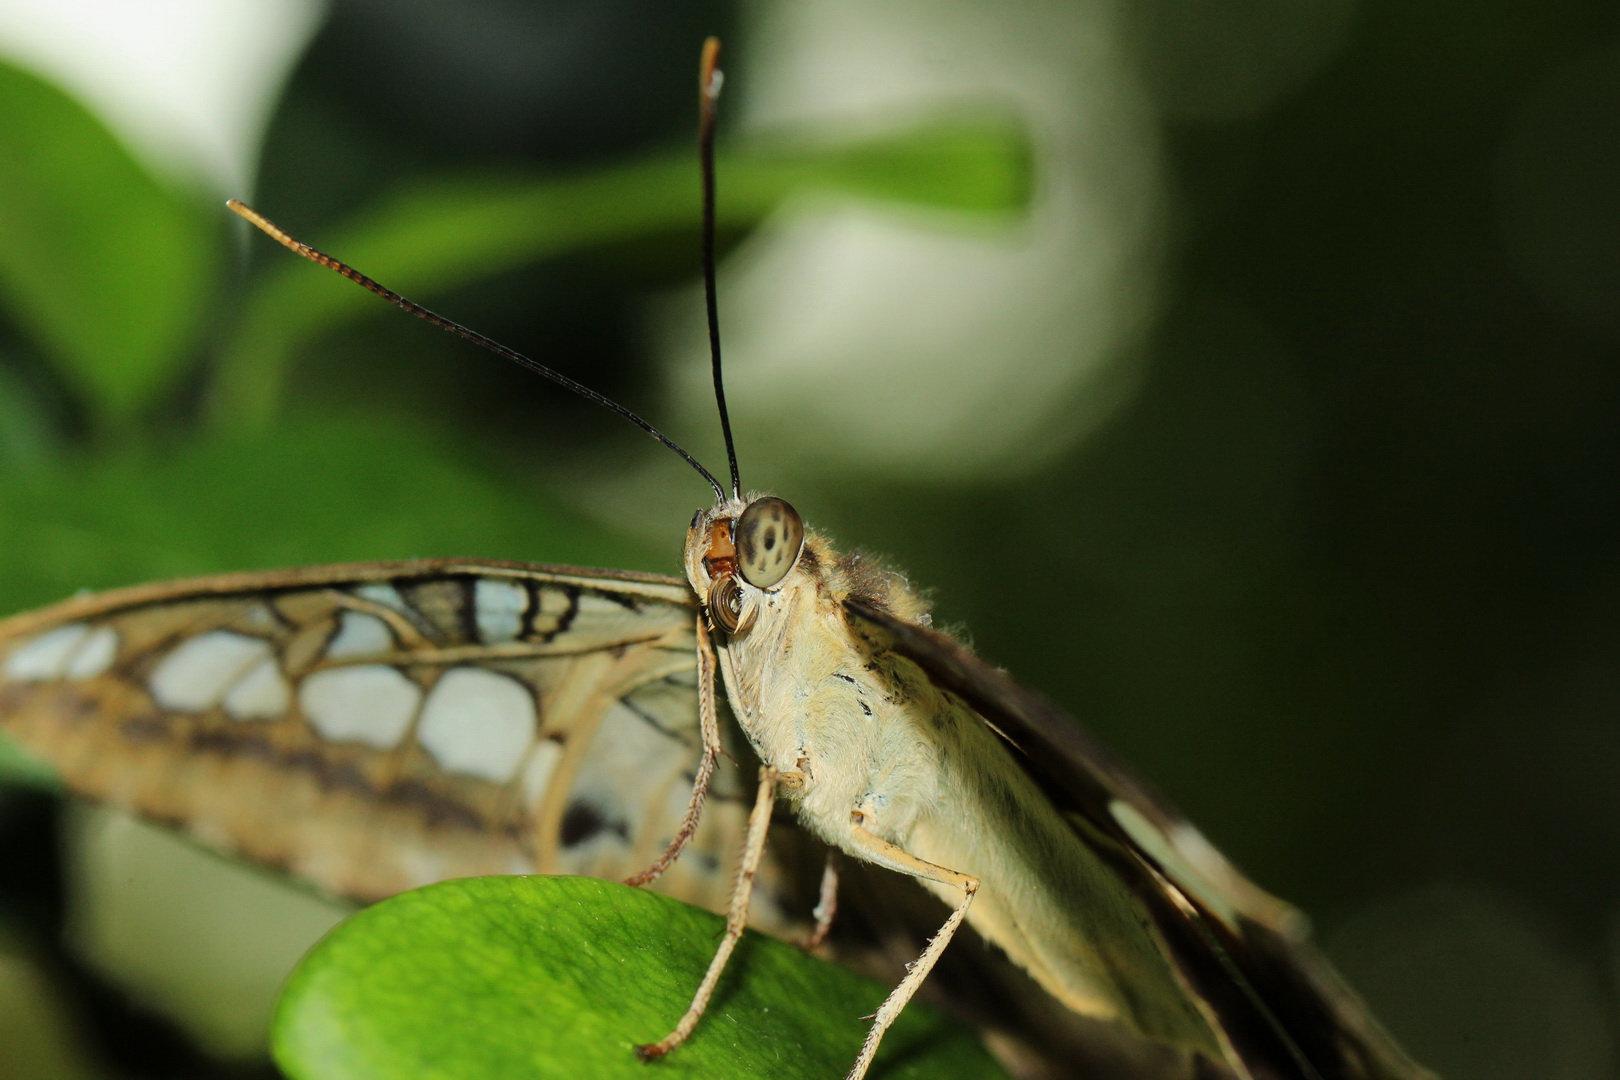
454,231
106,269
533,978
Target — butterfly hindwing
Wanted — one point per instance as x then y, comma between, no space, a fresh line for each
374,727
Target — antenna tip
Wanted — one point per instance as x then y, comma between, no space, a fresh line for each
710,77
243,210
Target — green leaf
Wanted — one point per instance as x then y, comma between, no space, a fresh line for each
321,490
972,164
108,271
453,231
529,978
27,437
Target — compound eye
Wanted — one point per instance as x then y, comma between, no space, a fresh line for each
769,536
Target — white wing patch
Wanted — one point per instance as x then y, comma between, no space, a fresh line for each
479,723
258,617
94,655
46,656
195,676
498,608
384,596
370,703
360,634
261,694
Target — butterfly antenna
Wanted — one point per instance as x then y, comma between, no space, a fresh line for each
275,233
710,79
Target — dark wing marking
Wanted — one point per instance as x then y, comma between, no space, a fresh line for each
1285,1008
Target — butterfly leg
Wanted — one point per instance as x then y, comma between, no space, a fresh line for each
874,849
759,824
709,727
826,904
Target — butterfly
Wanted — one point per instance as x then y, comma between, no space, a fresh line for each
412,722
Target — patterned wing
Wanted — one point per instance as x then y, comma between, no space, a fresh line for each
1288,1012
375,727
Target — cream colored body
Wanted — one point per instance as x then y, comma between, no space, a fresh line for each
863,738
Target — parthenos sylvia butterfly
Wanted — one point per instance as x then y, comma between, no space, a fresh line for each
420,721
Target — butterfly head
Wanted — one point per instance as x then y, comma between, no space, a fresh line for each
740,550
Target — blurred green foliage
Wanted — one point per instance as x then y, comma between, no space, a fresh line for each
447,233
226,478
109,271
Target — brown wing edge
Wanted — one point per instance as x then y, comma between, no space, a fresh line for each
95,603
1288,1012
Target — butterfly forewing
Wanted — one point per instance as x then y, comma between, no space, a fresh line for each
376,727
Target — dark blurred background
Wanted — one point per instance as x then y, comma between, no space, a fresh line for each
1259,407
